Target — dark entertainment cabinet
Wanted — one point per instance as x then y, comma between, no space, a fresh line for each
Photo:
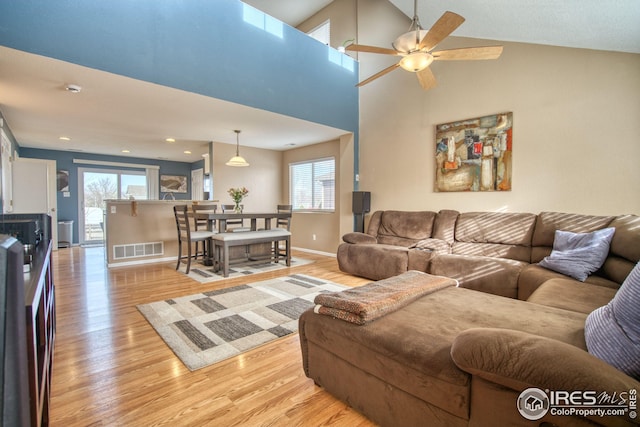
41,332
28,327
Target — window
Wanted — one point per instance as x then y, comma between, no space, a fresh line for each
322,32
97,185
312,185
263,21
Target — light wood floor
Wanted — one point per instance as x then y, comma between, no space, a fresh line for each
112,369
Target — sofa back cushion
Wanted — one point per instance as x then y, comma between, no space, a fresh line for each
548,222
624,251
374,223
444,226
579,254
496,234
402,228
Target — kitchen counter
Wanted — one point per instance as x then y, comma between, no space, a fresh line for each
141,231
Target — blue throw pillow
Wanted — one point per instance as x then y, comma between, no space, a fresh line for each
612,332
579,254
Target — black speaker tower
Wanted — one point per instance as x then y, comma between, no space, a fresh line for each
360,205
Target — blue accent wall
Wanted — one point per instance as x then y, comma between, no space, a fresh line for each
219,48
68,206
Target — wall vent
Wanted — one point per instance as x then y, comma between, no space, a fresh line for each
137,250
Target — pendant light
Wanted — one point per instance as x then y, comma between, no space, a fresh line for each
237,160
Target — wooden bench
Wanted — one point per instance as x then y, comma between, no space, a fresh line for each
224,241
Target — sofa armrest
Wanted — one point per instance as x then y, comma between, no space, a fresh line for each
519,360
357,237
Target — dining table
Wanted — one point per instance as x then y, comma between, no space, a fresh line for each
219,219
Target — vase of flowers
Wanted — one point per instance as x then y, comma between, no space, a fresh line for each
237,194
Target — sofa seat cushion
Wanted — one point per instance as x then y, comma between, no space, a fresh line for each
410,348
498,276
532,276
374,262
572,295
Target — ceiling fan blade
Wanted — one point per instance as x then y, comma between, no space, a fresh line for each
469,53
426,78
370,49
444,26
379,74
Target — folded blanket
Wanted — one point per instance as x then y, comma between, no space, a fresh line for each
366,303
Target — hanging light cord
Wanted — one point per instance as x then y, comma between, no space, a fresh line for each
237,142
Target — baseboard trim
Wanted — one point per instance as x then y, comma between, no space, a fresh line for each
312,251
167,259
143,261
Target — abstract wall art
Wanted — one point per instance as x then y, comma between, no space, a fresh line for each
475,154
173,184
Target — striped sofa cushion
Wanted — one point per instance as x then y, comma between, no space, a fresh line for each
612,332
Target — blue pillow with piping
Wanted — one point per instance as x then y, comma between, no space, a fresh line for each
579,254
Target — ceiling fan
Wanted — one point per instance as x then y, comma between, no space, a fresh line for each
416,45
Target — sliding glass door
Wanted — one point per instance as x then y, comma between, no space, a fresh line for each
98,185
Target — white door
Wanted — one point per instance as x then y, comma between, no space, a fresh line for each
34,190
197,184
5,162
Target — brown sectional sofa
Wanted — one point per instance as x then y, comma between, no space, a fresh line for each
495,252
459,357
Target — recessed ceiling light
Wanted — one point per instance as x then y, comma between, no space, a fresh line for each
291,144
170,140
126,151
73,88
187,152
64,138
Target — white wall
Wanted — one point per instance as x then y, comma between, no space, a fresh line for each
576,123
324,225
262,178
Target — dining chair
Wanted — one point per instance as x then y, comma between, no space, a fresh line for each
187,237
284,222
202,224
233,222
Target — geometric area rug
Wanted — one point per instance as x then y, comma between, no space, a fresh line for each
211,326
203,274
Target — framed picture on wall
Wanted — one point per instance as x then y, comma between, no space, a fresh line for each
173,184
475,154
62,180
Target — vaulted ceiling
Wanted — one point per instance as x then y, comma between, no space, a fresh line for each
38,117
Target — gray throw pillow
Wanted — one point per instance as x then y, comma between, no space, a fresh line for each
579,254
612,332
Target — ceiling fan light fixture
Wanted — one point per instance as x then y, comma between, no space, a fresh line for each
416,61
237,160
408,42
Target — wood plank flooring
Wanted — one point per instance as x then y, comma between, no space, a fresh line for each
112,369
